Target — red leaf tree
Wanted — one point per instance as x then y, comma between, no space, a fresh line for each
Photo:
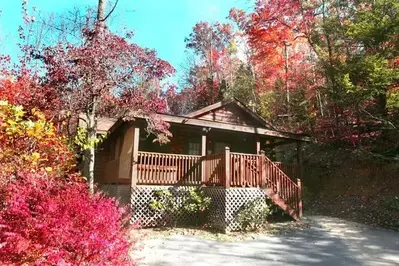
104,75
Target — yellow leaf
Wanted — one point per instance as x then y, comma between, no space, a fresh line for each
35,156
48,169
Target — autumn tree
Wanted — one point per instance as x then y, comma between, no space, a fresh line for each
104,74
214,70
328,67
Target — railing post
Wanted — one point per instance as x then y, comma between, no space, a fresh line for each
135,156
263,170
203,153
299,198
227,167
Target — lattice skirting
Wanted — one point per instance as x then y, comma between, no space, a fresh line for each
144,216
217,211
236,199
223,213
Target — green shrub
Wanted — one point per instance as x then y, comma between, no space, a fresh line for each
392,203
173,205
254,215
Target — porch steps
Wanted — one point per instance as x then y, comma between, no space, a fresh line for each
281,203
281,189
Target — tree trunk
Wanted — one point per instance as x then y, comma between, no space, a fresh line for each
89,153
101,12
91,117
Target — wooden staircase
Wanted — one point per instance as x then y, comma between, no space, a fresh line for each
280,188
250,170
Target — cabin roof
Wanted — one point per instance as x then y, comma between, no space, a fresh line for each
256,125
237,107
104,124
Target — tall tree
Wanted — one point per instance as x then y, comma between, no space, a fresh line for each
332,60
104,74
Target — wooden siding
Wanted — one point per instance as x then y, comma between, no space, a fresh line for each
101,158
231,114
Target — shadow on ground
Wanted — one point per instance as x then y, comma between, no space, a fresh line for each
328,241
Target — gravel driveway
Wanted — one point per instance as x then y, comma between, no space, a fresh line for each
329,241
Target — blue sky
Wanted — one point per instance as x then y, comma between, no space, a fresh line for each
158,24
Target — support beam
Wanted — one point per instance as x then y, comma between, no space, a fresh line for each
227,167
263,169
203,144
203,153
299,198
257,139
135,156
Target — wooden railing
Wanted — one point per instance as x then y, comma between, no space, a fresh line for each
290,169
245,170
249,170
167,169
281,183
227,169
214,169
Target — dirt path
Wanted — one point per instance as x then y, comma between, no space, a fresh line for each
329,241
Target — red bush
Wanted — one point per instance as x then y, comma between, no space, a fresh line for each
52,221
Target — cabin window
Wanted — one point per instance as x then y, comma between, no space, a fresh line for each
194,148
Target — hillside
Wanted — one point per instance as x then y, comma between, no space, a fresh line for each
352,184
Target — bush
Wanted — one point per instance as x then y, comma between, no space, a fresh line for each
28,142
391,203
254,214
47,221
172,205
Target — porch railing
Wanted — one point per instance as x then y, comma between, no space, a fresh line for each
164,169
245,170
249,170
281,183
214,169
290,169
227,169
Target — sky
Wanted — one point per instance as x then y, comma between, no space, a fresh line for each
158,24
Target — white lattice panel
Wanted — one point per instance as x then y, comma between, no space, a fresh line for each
236,199
144,216
216,217
223,212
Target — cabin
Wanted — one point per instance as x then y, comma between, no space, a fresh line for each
225,148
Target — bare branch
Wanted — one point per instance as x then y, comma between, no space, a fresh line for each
110,12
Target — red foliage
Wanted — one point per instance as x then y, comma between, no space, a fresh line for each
47,221
211,43
25,91
119,76
277,35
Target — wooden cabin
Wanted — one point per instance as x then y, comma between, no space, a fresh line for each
220,145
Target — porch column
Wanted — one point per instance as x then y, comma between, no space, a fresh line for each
227,167
135,156
263,169
257,139
203,153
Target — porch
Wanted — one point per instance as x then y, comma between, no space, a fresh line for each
225,159
227,170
